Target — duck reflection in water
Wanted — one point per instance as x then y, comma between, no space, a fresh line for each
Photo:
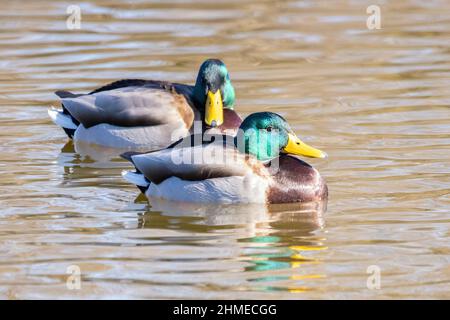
274,241
98,164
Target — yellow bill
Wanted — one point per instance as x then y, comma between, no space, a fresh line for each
214,109
298,147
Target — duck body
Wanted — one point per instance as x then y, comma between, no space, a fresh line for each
217,171
136,113
129,113
243,181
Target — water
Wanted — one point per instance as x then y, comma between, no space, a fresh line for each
377,101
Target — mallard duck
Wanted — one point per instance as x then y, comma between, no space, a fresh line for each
255,166
136,113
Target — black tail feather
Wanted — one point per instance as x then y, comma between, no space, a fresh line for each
66,94
129,154
69,132
143,189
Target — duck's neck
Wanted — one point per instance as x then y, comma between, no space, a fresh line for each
229,96
199,95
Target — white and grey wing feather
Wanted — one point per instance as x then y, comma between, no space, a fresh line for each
192,164
126,107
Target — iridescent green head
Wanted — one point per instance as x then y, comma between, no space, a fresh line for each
213,91
266,134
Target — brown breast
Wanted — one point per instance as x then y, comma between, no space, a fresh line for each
230,125
295,181
231,120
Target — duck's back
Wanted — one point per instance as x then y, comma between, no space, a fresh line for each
130,103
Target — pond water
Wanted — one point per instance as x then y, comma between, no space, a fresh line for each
377,101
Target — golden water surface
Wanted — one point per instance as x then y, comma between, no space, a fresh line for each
377,101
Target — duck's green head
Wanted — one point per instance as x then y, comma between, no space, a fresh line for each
266,134
214,91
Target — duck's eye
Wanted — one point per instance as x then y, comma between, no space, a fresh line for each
269,129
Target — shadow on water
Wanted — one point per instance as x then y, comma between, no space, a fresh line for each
89,165
76,152
274,241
